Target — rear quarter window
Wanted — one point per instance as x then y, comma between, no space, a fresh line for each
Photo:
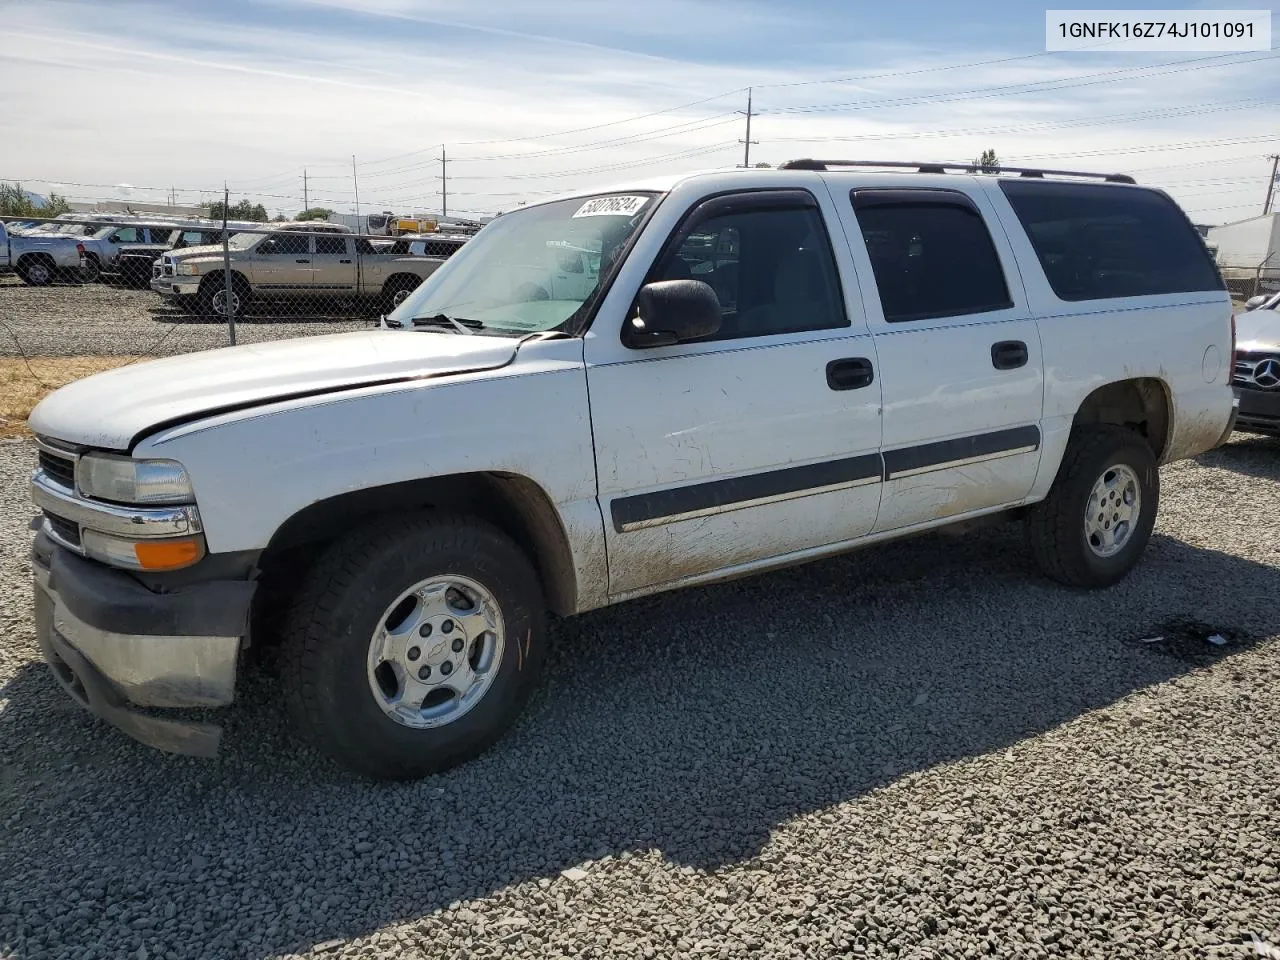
1098,242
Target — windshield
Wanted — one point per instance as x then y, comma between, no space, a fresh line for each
533,269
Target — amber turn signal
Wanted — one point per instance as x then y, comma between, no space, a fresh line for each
168,554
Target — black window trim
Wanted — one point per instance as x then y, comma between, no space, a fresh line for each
862,198
752,200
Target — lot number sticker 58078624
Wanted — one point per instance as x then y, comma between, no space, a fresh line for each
612,207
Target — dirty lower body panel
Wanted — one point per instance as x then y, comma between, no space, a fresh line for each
122,650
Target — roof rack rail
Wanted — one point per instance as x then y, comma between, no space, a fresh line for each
926,167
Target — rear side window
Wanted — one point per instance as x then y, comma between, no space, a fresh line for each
1097,242
931,254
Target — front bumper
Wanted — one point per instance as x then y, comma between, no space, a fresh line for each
116,646
1259,411
175,286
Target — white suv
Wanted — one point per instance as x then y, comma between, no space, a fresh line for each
770,366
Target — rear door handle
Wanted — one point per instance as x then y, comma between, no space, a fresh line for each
850,373
344,261
1009,354
302,261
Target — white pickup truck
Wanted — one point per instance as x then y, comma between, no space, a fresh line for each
771,366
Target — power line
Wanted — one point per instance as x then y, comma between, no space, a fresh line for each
1034,86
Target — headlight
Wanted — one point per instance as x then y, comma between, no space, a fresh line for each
125,480
188,269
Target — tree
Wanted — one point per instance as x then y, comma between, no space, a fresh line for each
987,163
16,202
242,210
315,213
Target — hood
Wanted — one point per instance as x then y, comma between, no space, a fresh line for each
1258,330
111,410
208,250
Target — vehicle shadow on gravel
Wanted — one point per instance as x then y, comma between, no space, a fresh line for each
693,723
1251,454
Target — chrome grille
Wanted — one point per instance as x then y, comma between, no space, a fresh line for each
1256,370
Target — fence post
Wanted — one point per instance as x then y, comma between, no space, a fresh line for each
226,268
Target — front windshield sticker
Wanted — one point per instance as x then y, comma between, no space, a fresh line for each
611,207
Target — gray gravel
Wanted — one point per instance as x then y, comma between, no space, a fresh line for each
922,750
68,319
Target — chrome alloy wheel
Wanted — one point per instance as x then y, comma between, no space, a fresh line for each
436,651
1112,513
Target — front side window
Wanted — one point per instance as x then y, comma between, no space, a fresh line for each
932,256
772,269
288,244
1097,241
534,269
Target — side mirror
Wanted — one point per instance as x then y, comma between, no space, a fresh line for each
1254,302
671,311
115,238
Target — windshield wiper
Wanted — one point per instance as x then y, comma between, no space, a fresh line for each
460,324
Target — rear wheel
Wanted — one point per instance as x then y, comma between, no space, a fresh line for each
1093,527
413,645
397,291
37,271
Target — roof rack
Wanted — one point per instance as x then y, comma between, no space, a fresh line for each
925,167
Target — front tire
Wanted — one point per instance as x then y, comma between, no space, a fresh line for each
214,300
1094,525
413,645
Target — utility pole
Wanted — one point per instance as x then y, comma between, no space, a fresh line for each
355,182
746,144
227,292
306,205
444,184
1271,184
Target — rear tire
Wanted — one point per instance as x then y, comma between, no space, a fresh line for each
1094,525
363,659
397,291
37,271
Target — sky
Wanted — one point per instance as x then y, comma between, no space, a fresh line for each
143,100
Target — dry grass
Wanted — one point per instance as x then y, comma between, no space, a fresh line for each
24,383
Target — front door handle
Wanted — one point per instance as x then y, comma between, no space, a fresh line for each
302,261
850,373
344,261
1009,354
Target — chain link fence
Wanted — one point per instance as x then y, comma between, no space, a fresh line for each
82,294
1248,280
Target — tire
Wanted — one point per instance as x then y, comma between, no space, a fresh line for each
91,272
213,295
348,706
1070,542
397,291
37,271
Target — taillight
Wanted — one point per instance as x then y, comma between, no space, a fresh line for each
80,250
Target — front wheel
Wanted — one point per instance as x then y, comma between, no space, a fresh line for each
215,299
413,645
90,271
1093,527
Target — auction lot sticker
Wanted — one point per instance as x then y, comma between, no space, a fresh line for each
1229,31
612,207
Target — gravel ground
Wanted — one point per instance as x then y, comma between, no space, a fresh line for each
68,319
921,750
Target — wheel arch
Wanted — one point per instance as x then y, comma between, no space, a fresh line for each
514,503
396,279
215,276
1141,404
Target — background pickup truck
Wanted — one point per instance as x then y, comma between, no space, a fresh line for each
139,265
38,258
288,264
